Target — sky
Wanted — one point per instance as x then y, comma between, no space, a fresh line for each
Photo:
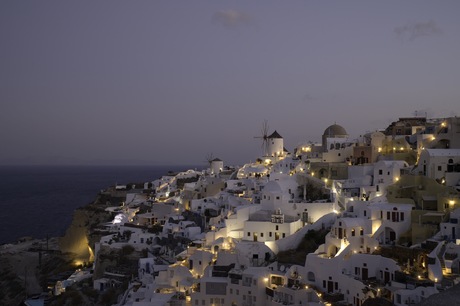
170,82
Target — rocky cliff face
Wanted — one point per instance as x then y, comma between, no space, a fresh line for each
80,236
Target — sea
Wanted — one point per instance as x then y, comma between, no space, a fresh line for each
39,201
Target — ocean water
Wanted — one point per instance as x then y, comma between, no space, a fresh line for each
40,200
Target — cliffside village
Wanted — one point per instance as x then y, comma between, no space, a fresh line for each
387,203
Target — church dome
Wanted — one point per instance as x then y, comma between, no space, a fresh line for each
335,130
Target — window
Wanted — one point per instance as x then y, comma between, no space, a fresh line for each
361,232
380,172
269,234
353,232
277,197
365,213
277,227
261,234
402,216
284,235
249,234
231,291
439,168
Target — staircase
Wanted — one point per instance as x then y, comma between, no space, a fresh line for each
441,258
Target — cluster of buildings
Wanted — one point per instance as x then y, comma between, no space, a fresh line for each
389,201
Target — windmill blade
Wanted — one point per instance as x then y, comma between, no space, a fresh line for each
264,137
265,129
209,158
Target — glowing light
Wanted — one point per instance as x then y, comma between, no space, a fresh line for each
435,279
380,149
397,179
402,148
306,287
451,202
433,138
335,212
325,180
120,218
266,279
313,173
419,277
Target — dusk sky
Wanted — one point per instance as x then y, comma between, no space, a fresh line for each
143,82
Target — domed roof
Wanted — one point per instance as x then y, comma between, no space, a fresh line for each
335,130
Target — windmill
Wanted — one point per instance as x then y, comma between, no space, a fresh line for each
264,137
209,159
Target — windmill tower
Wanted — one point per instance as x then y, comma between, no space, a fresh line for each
275,146
216,165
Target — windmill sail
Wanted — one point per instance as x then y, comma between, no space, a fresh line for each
264,137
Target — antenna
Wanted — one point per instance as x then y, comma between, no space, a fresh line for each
264,137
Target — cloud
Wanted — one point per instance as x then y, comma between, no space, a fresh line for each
413,31
231,18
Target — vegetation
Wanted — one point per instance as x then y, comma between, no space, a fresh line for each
309,243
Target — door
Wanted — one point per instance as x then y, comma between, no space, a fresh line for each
392,236
364,274
330,286
386,278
